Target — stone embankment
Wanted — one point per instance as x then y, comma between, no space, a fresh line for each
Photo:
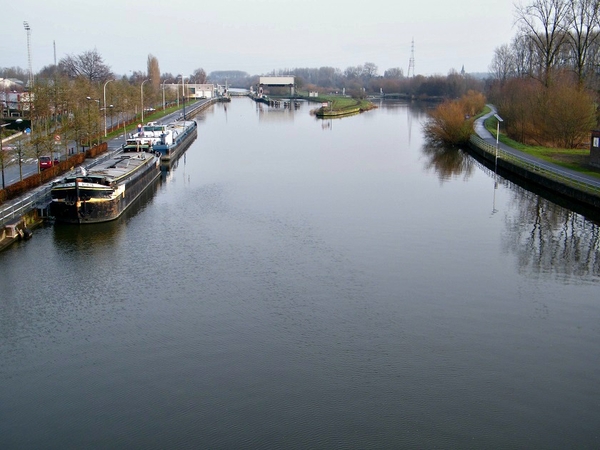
577,187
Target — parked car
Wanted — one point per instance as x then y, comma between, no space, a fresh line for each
46,162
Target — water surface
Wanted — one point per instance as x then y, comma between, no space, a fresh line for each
298,283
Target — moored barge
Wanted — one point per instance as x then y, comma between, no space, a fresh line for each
104,192
175,138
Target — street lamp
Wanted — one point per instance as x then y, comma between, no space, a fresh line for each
142,94
499,119
111,116
97,100
105,106
2,150
183,93
163,89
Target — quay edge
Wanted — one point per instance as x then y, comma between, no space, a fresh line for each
19,228
569,188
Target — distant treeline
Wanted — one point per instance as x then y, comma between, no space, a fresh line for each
360,81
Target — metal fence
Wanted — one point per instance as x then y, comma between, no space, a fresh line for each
24,204
40,196
556,174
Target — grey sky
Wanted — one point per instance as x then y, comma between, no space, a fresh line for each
257,36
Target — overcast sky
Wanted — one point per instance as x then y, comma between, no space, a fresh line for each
258,36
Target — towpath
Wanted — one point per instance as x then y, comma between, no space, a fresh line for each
484,134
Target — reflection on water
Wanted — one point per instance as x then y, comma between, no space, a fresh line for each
91,237
447,162
549,239
546,238
325,292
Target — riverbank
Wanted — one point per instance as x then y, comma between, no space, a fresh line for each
29,208
580,188
577,159
334,106
330,105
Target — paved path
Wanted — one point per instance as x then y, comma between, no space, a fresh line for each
484,134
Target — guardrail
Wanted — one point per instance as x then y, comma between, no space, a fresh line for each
573,180
41,194
24,204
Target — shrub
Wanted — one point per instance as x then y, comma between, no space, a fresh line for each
448,124
559,115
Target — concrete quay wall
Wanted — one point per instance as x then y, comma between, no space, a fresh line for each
575,189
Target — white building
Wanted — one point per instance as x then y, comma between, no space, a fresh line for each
193,90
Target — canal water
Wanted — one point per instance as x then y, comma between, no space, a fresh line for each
299,283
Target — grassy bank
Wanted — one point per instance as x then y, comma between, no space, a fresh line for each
574,159
339,106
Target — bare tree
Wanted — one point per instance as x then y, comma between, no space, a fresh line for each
543,23
327,76
503,63
395,72
199,76
353,72
369,70
88,64
583,26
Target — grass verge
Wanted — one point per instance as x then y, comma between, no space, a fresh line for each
574,159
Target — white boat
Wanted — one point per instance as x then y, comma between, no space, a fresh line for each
175,138
170,140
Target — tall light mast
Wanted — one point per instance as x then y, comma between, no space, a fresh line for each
28,30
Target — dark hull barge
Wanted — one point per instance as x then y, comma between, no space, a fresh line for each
105,192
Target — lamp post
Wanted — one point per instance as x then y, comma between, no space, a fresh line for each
2,149
111,116
97,100
163,89
105,105
499,119
30,92
124,129
183,93
142,94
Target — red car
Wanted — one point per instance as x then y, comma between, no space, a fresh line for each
46,162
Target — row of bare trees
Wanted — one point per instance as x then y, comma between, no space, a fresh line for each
76,99
362,80
553,36
547,79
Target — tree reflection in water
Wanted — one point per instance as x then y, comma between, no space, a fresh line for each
546,238
447,162
550,239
